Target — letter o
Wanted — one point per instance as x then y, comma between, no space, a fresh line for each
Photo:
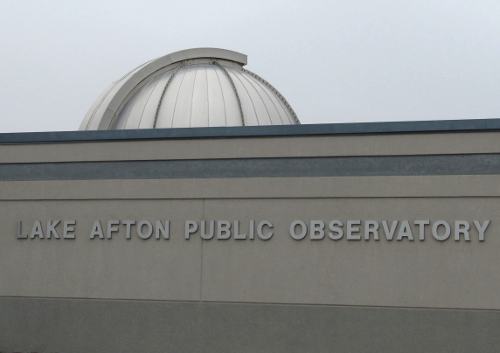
447,230
303,230
149,229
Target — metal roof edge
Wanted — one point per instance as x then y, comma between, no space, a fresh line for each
429,126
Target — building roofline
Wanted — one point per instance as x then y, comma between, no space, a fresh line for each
396,127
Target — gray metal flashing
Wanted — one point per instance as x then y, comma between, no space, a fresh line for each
397,127
209,53
472,164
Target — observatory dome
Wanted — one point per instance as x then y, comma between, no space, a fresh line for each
200,87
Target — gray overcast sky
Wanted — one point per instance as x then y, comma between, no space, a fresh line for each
334,61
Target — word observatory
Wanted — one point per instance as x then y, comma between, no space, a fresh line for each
350,230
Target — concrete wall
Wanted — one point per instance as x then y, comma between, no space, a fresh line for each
279,295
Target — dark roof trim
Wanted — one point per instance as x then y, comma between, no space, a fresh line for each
435,126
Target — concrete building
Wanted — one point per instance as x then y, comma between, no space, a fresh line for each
195,214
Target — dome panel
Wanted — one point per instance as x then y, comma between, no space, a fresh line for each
151,108
138,104
230,100
94,122
216,102
193,88
276,108
168,104
200,113
262,106
247,104
267,97
183,104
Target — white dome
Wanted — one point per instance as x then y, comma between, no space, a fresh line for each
201,87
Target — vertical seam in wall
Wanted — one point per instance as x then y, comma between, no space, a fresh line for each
201,252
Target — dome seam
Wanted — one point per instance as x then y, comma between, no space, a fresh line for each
176,99
223,98
278,107
160,101
251,100
146,104
192,98
208,97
